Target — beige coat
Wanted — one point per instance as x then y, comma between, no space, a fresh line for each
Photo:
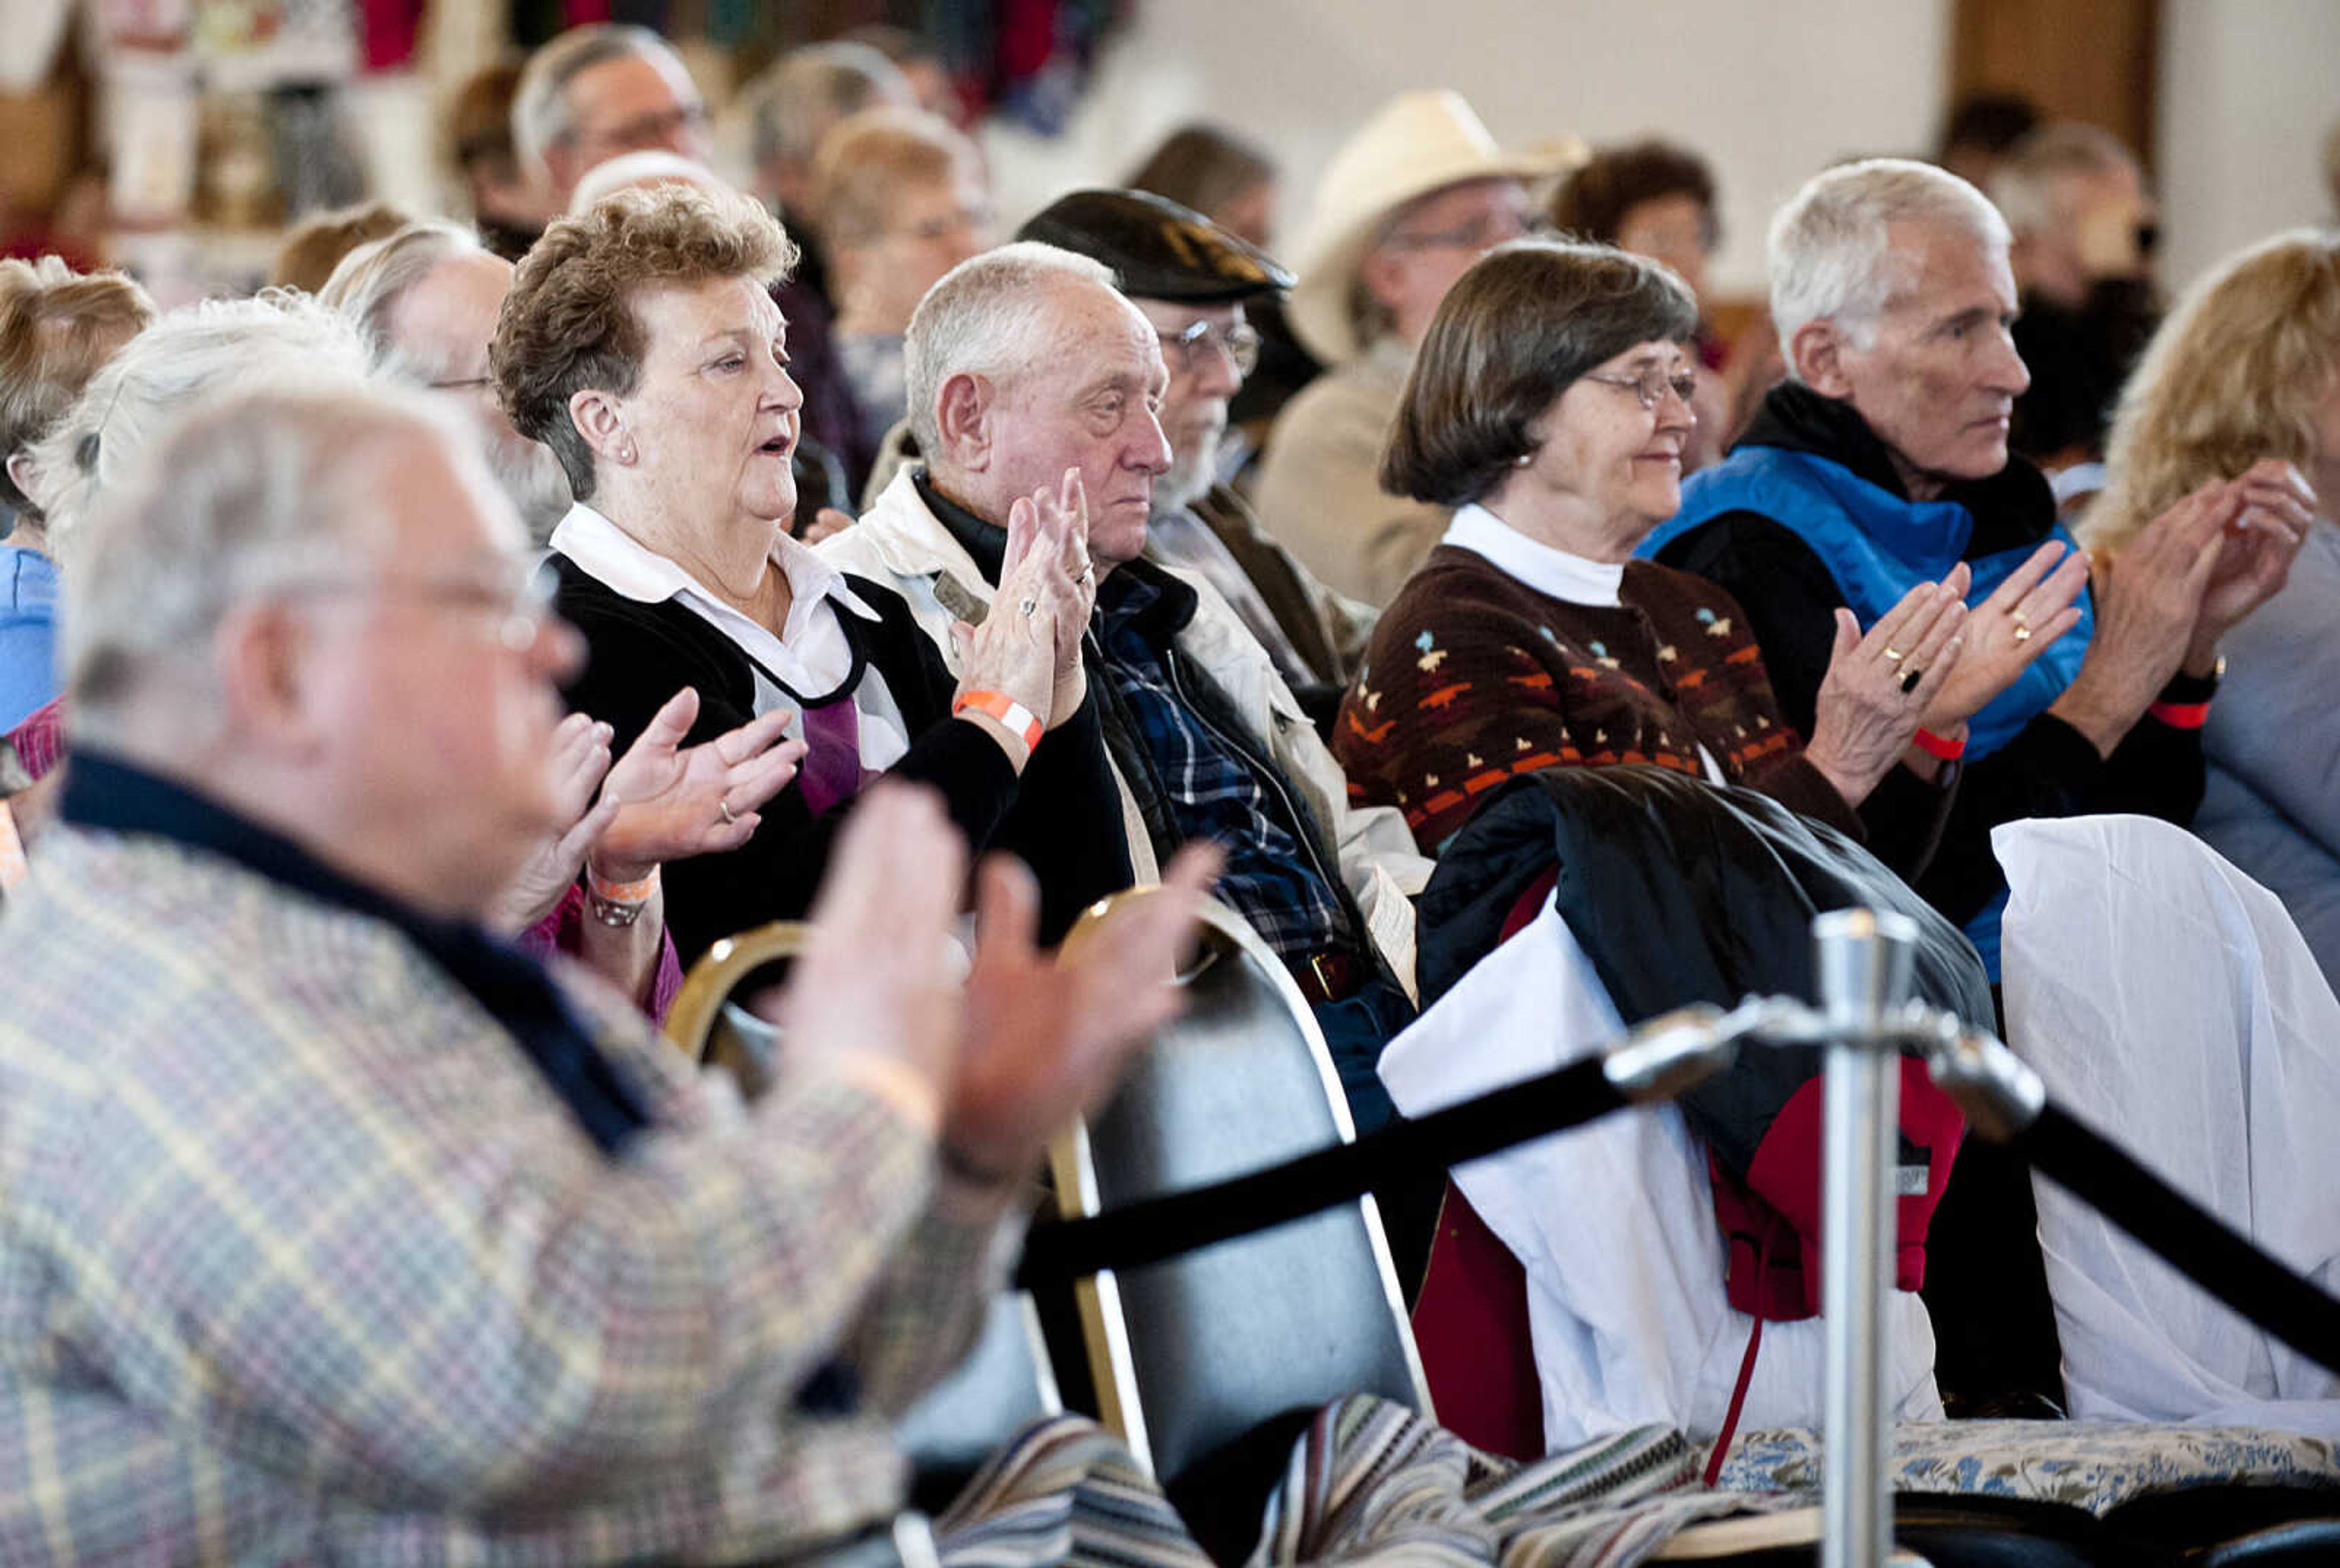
1320,490
900,544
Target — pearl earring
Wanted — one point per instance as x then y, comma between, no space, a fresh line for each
1524,459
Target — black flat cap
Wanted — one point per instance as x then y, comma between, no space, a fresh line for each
1158,249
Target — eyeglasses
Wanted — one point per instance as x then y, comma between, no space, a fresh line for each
1199,340
464,385
1482,233
966,219
513,594
657,128
1652,384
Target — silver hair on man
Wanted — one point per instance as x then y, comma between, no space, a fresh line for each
988,316
234,499
367,287
2023,185
541,115
371,280
190,355
1829,255
801,94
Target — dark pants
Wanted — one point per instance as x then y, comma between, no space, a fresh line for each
1356,1029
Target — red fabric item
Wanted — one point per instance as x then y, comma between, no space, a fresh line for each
1784,1188
1941,748
2182,715
1025,35
387,30
1738,1402
1471,1321
40,740
1471,1325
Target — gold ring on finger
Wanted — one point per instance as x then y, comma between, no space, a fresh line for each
725,807
1910,679
1893,655
2022,632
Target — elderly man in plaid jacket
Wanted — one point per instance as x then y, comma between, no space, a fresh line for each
336,1231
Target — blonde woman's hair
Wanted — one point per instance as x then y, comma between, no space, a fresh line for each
193,355
58,326
2234,375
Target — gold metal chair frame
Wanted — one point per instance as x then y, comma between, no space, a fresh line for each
693,1024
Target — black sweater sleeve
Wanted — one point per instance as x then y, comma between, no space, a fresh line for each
637,658
1067,824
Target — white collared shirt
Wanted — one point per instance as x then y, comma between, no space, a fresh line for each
811,653
1553,572
1573,578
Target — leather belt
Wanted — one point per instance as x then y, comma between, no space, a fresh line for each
1334,975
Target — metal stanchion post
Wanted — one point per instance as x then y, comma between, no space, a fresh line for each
1864,963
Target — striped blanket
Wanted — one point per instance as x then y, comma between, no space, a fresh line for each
1368,1483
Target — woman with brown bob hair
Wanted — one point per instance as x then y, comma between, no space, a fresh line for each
1550,404
640,343
2242,384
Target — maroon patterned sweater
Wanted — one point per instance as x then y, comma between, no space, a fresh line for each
1474,678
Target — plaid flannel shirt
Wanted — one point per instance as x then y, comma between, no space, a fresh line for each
1214,794
301,1260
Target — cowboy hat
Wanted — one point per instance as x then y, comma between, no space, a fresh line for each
1419,143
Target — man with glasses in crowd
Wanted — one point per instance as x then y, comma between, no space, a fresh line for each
596,92
1404,208
1191,279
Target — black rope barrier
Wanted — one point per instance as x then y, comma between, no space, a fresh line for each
1155,1228
2063,1148
2183,1235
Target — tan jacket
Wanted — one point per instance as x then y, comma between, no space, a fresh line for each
1327,630
1320,490
899,544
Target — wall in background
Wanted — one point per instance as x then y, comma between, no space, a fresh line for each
1767,91
2249,88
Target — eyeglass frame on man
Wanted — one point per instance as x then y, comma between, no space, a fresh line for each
1239,342
521,604
655,128
1482,233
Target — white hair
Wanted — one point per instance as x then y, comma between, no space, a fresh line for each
801,94
279,338
2023,185
371,280
988,316
237,498
192,354
647,166
541,114
1830,258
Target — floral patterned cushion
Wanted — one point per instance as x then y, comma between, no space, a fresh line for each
2097,1466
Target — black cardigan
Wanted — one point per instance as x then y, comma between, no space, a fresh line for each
1063,818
